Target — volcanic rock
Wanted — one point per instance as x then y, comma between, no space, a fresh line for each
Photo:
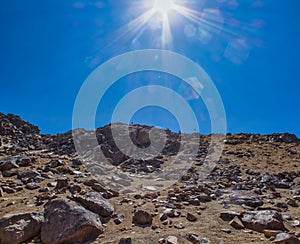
262,220
67,224
94,202
19,228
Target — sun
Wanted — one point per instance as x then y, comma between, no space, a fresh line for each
163,6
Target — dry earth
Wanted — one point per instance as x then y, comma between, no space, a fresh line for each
256,173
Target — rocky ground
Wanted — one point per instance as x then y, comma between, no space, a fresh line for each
48,196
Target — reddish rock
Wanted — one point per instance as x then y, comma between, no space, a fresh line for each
20,228
142,218
67,224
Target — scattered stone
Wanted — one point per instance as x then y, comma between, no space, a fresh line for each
125,240
94,202
67,224
236,223
229,215
292,203
286,238
10,173
20,228
29,174
142,218
191,217
171,240
262,220
75,188
248,198
8,190
55,163
119,219
62,183
179,226
32,186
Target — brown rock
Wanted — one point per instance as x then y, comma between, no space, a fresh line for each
191,217
236,223
67,224
94,202
19,228
271,233
62,183
229,215
142,218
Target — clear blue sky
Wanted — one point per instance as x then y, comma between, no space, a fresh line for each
250,49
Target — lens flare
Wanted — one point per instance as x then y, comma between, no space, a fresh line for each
163,6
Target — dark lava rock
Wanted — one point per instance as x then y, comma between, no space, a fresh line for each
29,174
125,240
67,224
229,215
246,197
20,228
32,186
142,218
93,201
62,183
262,220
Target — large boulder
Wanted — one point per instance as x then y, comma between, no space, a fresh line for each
20,227
67,224
94,202
263,220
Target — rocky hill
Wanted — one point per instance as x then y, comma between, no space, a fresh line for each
49,195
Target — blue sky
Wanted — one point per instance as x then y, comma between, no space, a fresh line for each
249,48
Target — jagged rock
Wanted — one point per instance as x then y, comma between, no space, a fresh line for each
236,223
93,201
29,174
195,239
67,224
229,215
8,165
142,218
8,190
246,197
19,228
10,173
15,162
285,238
55,163
262,220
